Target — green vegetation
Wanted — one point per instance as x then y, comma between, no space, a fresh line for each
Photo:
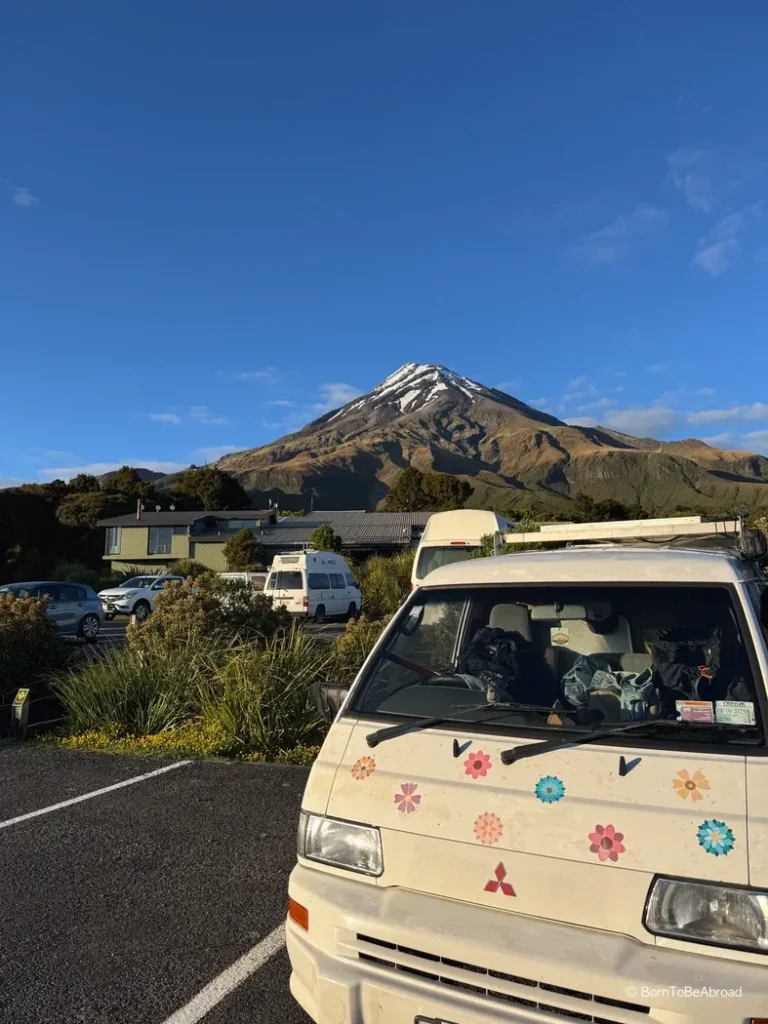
242,552
385,581
187,567
416,492
354,646
30,647
325,538
211,489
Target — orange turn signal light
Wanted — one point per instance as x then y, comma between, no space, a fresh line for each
298,914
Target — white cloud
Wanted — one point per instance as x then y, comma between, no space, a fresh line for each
11,481
536,403
642,422
165,417
719,247
510,385
581,421
685,172
718,440
22,197
716,258
601,403
704,392
267,374
283,403
97,468
612,243
656,368
202,414
576,383
757,441
335,395
755,411
218,451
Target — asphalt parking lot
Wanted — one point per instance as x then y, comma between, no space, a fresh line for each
122,907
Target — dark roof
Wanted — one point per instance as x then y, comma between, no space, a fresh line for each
182,518
356,529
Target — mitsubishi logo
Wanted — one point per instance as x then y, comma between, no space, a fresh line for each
493,885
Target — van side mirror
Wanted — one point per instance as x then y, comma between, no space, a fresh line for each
328,698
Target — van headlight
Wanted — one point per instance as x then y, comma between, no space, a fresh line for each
703,912
340,843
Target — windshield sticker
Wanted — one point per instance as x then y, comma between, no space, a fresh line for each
459,748
560,635
549,789
606,842
735,712
488,828
687,785
407,800
695,711
625,767
477,765
715,837
363,767
494,884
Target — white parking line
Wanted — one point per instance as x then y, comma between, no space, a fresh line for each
91,795
228,980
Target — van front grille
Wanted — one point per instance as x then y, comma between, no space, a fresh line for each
498,986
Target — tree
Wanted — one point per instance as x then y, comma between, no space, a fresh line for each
127,481
241,551
212,489
407,495
446,491
87,508
84,483
325,538
591,511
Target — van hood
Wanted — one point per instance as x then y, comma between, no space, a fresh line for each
573,835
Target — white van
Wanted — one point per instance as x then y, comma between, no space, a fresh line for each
452,537
546,797
315,584
257,580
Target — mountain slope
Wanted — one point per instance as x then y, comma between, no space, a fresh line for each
431,418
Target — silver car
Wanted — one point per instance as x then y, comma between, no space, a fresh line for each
74,607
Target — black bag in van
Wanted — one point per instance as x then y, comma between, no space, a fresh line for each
509,666
686,664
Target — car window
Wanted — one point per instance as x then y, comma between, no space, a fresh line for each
317,580
337,581
49,590
139,582
69,593
351,581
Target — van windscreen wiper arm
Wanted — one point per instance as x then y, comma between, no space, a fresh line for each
393,731
533,749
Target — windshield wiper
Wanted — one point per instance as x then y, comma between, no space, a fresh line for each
533,749
393,731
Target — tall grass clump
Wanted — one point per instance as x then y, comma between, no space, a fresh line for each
386,582
262,698
133,691
353,647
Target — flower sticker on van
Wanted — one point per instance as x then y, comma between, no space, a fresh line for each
606,842
715,837
687,785
549,789
477,764
363,767
407,800
488,828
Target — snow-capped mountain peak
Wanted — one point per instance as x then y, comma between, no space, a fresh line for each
415,385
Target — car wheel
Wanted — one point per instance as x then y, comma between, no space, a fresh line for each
141,610
89,627
320,613
353,612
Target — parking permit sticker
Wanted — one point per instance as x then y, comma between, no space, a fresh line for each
735,712
695,710
560,635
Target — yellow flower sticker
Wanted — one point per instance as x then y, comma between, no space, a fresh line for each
688,785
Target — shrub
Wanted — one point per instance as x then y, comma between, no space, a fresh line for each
242,551
192,739
134,692
262,697
386,581
325,538
187,567
30,647
354,646
209,607
76,572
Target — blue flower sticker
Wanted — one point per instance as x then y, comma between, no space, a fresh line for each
549,789
715,837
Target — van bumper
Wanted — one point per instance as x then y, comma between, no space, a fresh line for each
456,963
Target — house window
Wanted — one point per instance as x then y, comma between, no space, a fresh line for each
160,538
113,540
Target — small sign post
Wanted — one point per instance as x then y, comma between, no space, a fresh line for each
20,712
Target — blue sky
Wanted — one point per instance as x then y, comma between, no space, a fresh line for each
216,222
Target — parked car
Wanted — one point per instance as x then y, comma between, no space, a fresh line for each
136,596
256,579
315,584
74,607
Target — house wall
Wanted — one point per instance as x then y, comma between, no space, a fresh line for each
210,555
134,541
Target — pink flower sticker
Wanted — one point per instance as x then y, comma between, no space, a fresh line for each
407,800
477,764
606,842
488,828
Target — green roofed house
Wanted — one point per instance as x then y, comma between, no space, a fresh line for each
151,541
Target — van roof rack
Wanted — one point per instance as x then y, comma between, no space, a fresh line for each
683,531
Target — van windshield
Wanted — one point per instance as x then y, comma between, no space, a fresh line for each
435,558
605,655
285,581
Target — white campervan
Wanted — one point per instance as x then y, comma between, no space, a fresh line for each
545,796
315,584
452,537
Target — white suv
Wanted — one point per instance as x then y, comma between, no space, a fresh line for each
136,596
